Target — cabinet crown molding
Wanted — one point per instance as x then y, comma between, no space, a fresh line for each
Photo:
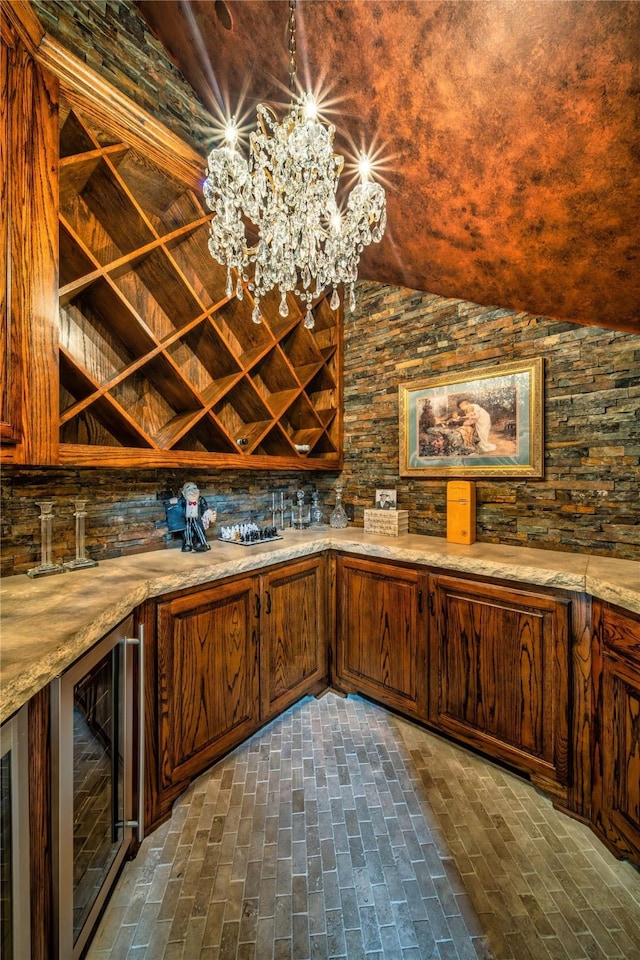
82,86
19,22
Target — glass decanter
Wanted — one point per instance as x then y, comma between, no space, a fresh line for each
338,518
316,510
300,513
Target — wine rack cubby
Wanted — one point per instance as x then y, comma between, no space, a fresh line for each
157,365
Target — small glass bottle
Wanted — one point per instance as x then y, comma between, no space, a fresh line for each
316,510
338,518
300,513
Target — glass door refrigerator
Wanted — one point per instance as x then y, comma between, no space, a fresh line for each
15,927
98,774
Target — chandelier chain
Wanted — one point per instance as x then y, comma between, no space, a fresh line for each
292,48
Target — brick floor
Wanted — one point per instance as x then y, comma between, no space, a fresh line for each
342,831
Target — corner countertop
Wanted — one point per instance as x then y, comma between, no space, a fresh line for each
46,624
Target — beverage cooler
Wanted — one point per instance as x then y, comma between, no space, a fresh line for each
15,928
98,775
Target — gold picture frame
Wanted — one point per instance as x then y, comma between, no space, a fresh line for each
485,422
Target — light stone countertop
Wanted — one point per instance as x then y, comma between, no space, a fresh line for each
46,624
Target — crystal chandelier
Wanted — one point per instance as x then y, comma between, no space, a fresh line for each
287,190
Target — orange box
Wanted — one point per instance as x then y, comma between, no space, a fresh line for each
461,511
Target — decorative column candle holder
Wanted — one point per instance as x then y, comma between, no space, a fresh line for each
81,561
45,568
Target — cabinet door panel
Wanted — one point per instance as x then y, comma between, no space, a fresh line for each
616,742
492,659
499,673
293,641
207,665
381,633
621,702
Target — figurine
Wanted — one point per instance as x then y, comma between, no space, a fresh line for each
197,518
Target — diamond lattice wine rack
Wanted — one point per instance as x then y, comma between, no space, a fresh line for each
157,365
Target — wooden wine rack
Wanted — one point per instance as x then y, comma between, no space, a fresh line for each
158,367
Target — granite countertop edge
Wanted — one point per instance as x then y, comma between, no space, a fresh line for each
95,601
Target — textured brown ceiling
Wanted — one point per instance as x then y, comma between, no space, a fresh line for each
510,130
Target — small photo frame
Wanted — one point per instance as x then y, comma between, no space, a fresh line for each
386,500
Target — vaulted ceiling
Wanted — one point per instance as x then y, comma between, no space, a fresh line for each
508,133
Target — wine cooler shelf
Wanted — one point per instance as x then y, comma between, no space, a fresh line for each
157,364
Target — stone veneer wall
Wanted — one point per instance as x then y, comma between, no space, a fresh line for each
589,499
113,39
124,513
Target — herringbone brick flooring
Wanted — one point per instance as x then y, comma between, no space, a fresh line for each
341,831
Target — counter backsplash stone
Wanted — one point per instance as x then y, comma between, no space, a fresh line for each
124,515
588,501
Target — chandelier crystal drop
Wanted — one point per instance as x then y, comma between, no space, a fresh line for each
287,190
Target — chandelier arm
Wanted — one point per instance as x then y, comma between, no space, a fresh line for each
263,111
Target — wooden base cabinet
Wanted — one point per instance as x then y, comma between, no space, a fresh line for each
499,665
616,758
203,691
293,636
222,659
381,635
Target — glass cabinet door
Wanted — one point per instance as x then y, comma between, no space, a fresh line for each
93,769
98,781
15,930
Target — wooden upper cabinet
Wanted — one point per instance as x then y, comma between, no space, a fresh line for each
29,253
9,392
499,674
129,350
616,708
157,364
293,637
381,633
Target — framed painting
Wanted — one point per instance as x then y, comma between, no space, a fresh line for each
479,423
